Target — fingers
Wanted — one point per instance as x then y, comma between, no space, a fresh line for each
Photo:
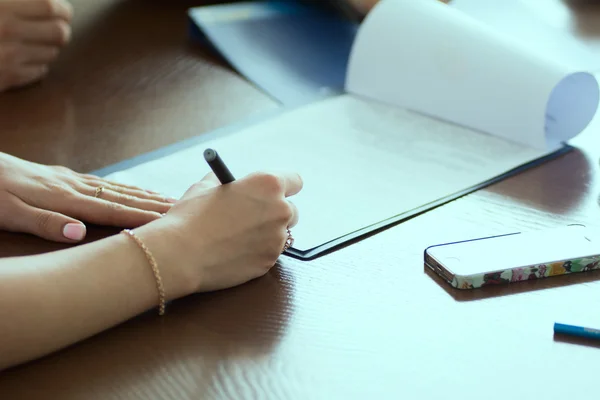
102,212
24,75
18,54
57,226
292,183
52,32
286,183
38,9
95,182
294,218
48,225
127,198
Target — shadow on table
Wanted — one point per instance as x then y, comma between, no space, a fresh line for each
561,338
199,338
558,186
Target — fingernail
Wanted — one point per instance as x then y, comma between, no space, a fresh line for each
171,200
74,231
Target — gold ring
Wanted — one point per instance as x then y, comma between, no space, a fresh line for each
289,242
99,191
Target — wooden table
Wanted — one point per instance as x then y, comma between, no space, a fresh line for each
366,321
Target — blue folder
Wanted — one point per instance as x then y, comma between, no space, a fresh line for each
295,51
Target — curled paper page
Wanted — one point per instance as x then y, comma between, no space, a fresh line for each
517,19
433,59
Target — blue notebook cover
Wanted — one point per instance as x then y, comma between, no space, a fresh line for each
294,51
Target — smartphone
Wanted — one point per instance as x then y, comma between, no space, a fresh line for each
515,257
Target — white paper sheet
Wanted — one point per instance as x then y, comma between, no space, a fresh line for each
434,59
362,162
515,18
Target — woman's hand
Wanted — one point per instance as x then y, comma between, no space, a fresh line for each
218,236
31,35
52,202
215,237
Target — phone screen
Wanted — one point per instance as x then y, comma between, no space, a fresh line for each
517,250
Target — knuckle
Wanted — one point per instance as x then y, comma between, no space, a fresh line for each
60,189
52,186
113,196
113,206
43,220
270,182
115,212
117,189
127,198
68,195
282,211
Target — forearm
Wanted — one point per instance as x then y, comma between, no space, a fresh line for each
53,300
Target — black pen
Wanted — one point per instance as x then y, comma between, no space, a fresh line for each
218,166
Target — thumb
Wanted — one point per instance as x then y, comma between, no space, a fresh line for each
209,181
51,225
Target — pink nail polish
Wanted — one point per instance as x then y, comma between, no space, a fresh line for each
171,200
74,231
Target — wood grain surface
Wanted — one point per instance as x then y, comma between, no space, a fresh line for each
367,321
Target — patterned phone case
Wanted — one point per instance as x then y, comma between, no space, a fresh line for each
516,274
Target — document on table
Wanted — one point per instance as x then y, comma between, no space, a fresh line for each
362,163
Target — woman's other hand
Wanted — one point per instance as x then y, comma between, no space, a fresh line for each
32,33
53,202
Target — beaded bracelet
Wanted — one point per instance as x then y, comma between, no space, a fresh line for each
154,266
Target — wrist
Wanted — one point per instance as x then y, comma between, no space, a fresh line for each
162,241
